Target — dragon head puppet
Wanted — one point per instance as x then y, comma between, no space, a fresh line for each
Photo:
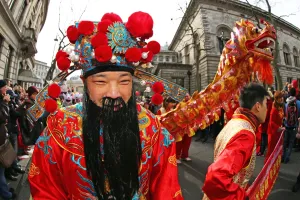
246,57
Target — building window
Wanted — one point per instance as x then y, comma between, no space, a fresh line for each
174,59
161,58
223,35
167,58
178,81
9,57
289,79
296,57
286,55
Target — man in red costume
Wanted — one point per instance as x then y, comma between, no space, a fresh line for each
107,147
234,157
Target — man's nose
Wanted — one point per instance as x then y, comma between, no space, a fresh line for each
113,92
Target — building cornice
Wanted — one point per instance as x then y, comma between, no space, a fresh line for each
6,13
194,4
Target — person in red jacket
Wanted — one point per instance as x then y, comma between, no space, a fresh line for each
261,135
275,123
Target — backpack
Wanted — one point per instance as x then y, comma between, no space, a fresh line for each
292,114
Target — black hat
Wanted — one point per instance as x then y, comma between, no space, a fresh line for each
2,83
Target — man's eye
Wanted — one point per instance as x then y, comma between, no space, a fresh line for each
125,81
100,82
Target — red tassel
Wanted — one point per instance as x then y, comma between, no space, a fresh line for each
99,39
54,90
63,63
72,34
133,54
154,47
158,87
112,17
157,99
103,25
86,28
61,53
103,53
50,105
140,24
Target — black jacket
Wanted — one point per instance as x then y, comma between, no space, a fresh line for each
4,117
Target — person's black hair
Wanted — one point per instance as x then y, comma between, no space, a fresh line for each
293,92
251,94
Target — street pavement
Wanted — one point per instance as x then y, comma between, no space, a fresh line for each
192,174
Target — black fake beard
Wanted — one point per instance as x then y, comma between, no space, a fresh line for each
121,145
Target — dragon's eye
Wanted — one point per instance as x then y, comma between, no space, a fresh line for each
256,30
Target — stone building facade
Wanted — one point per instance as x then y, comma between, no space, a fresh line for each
214,20
20,24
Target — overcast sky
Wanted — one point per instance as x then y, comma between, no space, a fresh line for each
162,12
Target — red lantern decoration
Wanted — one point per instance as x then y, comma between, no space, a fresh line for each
61,53
103,25
133,54
99,39
63,63
112,17
140,24
72,34
137,93
86,28
154,47
103,53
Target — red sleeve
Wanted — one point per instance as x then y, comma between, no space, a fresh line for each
219,178
45,177
164,177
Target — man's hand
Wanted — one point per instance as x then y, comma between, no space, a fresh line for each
280,129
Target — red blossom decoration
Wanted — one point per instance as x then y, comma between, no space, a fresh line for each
103,25
72,34
54,90
158,87
140,24
154,47
103,53
86,28
50,105
133,54
157,99
99,39
61,53
112,17
63,63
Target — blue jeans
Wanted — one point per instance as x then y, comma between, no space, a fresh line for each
289,139
4,190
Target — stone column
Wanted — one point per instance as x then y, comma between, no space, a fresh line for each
26,14
39,8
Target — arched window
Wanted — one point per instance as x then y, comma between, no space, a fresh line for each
296,57
286,54
223,35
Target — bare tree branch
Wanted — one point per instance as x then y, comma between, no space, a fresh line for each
84,10
255,15
59,14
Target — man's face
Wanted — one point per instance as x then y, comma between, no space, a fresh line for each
289,87
3,90
33,95
261,109
109,84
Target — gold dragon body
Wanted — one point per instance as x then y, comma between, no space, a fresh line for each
245,56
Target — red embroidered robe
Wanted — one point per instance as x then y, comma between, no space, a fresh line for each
58,169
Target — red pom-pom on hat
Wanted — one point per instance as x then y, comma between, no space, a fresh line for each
147,36
60,54
148,53
103,53
157,99
86,28
54,90
99,39
140,24
133,54
72,34
112,17
63,63
103,25
154,47
50,105
158,87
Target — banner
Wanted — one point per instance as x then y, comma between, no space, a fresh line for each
264,182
